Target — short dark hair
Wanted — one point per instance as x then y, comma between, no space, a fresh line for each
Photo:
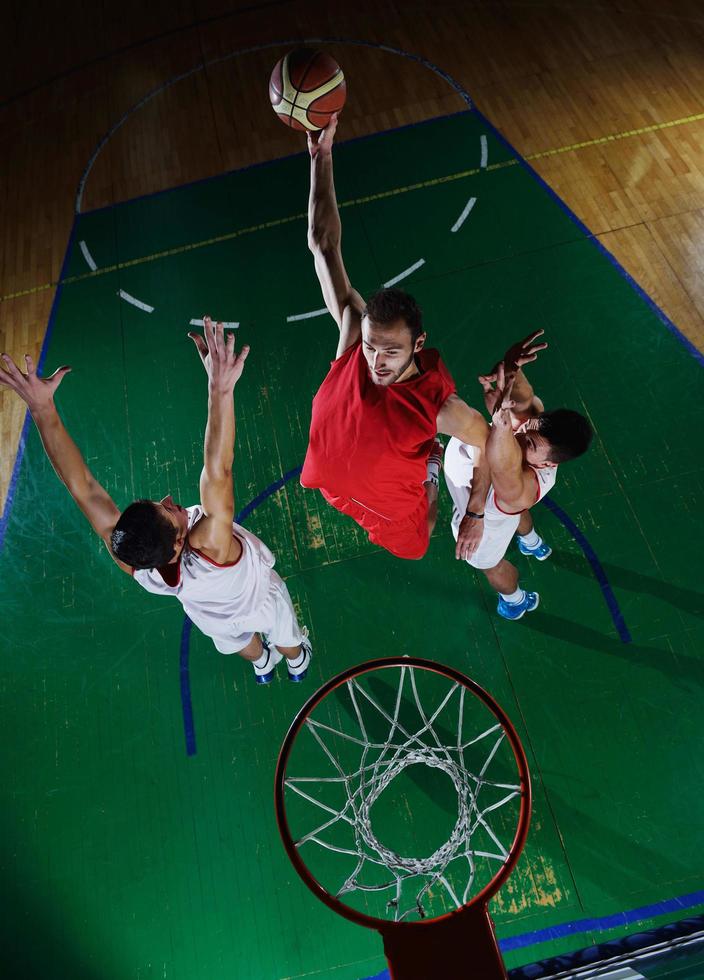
568,433
388,305
143,538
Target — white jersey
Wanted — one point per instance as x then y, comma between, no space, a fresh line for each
499,525
222,600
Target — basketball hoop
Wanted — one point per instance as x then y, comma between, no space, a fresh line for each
418,722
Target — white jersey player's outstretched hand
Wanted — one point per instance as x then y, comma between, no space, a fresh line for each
221,361
35,392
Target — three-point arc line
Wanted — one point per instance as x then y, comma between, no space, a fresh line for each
567,522
391,282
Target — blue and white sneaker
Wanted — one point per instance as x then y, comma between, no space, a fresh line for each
265,673
514,610
298,668
541,552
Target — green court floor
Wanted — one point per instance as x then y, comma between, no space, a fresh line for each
124,856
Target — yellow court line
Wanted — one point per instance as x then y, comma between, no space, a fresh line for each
394,192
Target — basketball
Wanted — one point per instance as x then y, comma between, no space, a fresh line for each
306,87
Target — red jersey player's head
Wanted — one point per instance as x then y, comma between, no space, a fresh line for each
554,437
150,533
392,334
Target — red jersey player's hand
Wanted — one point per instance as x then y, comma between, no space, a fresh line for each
36,392
469,536
523,351
320,142
221,361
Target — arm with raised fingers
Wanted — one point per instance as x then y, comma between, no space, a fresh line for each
514,360
325,237
223,366
70,467
513,482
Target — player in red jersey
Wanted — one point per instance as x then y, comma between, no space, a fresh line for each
373,450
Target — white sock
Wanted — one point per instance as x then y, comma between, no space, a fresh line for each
532,539
517,596
432,472
298,660
262,662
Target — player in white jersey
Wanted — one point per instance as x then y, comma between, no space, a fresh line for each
524,448
222,574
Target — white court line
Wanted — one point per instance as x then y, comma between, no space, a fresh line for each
463,217
406,272
227,324
88,257
624,973
306,316
485,152
135,302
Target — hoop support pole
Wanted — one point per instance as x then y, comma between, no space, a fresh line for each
462,946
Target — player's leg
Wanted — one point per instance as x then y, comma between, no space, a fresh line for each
514,602
284,632
432,493
432,482
258,652
529,541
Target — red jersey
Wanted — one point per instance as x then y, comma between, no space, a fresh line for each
370,443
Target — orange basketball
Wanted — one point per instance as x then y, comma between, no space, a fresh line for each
305,88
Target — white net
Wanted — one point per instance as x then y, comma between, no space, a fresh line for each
460,774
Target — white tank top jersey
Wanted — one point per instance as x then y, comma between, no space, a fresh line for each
219,599
459,466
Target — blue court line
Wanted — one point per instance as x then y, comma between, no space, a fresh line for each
12,489
188,729
661,315
186,703
603,922
599,573
527,939
271,489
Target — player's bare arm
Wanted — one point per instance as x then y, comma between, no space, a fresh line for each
513,481
526,402
223,365
457,418
325,237
471,529
70,467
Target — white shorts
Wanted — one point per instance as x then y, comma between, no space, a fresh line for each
498,531
276,618
499,528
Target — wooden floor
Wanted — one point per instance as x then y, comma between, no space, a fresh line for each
551,76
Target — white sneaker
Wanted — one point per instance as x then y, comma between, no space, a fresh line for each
298,668
265,667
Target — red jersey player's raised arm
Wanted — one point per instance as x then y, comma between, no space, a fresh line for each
526,403
324,238
223,365
70,467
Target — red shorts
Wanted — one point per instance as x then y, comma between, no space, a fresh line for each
407,538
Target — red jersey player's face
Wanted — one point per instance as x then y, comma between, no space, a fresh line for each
389,351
